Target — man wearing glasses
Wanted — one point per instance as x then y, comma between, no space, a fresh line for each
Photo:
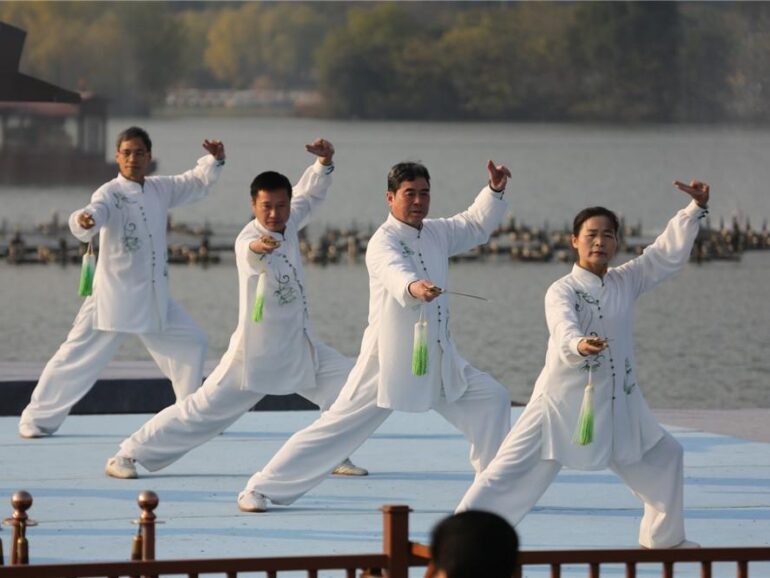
130,288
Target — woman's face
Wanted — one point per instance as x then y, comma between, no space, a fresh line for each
596,244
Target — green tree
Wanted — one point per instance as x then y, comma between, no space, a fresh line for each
626,56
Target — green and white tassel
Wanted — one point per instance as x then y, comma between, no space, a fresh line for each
584,433
87,270
259,297
420,347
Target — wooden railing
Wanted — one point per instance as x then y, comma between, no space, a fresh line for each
397,557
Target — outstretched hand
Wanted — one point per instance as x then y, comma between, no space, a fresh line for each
264,245
323,149
498,176
216,148
698,190
86,220
591,345
423,290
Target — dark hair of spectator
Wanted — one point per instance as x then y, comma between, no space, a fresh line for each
474,544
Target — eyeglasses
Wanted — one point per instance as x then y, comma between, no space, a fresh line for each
128,153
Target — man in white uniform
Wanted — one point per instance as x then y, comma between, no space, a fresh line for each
407,260
276,354
130,289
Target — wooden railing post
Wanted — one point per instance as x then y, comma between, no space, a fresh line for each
147,501
395,539
21,502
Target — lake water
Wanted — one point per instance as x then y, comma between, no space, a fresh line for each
701,339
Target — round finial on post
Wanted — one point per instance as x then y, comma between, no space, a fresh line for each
148,501
21,502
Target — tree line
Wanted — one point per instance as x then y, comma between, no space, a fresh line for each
524,61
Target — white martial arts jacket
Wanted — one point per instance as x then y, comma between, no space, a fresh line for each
131,280
582,304
397,255
278,351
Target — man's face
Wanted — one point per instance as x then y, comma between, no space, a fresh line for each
271,209
411,202
133,159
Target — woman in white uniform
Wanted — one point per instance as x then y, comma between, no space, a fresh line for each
590,320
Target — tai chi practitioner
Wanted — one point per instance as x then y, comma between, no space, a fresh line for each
130,287
273,349
407,259
587,411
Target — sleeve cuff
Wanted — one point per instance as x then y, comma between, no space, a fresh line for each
496,194
409,300
573,345
693,209
322,169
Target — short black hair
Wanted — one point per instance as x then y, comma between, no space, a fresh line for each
406,171
133,132
589,212
269,181
473,544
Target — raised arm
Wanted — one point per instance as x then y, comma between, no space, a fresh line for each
311,189
195,184
474,225
671,250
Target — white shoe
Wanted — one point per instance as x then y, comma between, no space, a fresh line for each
252,502
121,467
348,468
29,431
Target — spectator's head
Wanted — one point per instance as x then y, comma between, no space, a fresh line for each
473,544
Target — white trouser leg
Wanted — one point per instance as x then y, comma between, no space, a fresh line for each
71,372
483,414
179,350
331,374
192,421
658,481
312,453
518,476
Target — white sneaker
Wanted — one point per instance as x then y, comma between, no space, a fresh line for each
252,502
121,467
29,431
348,468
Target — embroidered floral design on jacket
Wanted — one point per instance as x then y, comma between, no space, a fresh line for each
585,311
131,242
405,250
285,292
120,200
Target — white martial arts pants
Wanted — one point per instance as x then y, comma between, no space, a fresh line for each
518,476
217,404
179,351
482,414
